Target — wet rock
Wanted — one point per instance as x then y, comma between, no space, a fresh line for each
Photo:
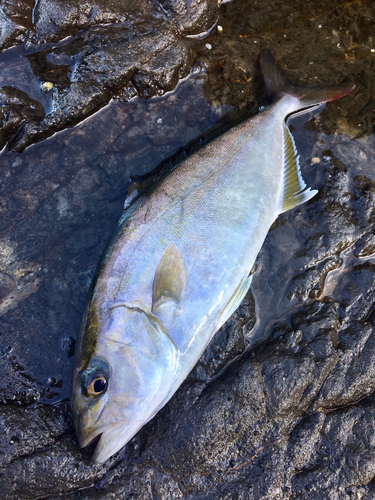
338,445
103,72
56,19
17,108
15,19
37,432
115,51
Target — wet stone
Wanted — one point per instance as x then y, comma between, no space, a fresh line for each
87,69
15,18
340,444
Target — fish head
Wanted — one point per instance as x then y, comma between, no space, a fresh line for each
124,373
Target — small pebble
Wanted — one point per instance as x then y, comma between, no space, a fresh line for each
47,86
159,121
315,160
220,29
208,46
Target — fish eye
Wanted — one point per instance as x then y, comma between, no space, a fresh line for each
94,384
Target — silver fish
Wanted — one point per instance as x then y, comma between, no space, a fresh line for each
179,265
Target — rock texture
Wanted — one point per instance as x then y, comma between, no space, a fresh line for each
281,404
100,51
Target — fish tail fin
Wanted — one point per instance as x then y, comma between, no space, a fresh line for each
278,84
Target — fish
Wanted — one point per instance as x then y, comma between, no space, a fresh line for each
179,264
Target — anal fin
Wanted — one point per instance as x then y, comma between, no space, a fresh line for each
295,190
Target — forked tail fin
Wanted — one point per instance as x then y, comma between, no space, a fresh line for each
278,84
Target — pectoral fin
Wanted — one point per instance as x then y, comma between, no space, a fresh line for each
295,190
235,301
170,278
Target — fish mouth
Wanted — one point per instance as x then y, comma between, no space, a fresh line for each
112,431
111,440
112,417
90,438
112,437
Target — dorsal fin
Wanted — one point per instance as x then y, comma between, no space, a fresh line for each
170,278
139,184
295,191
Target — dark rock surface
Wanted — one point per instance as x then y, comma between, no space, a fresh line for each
102,51
291,418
